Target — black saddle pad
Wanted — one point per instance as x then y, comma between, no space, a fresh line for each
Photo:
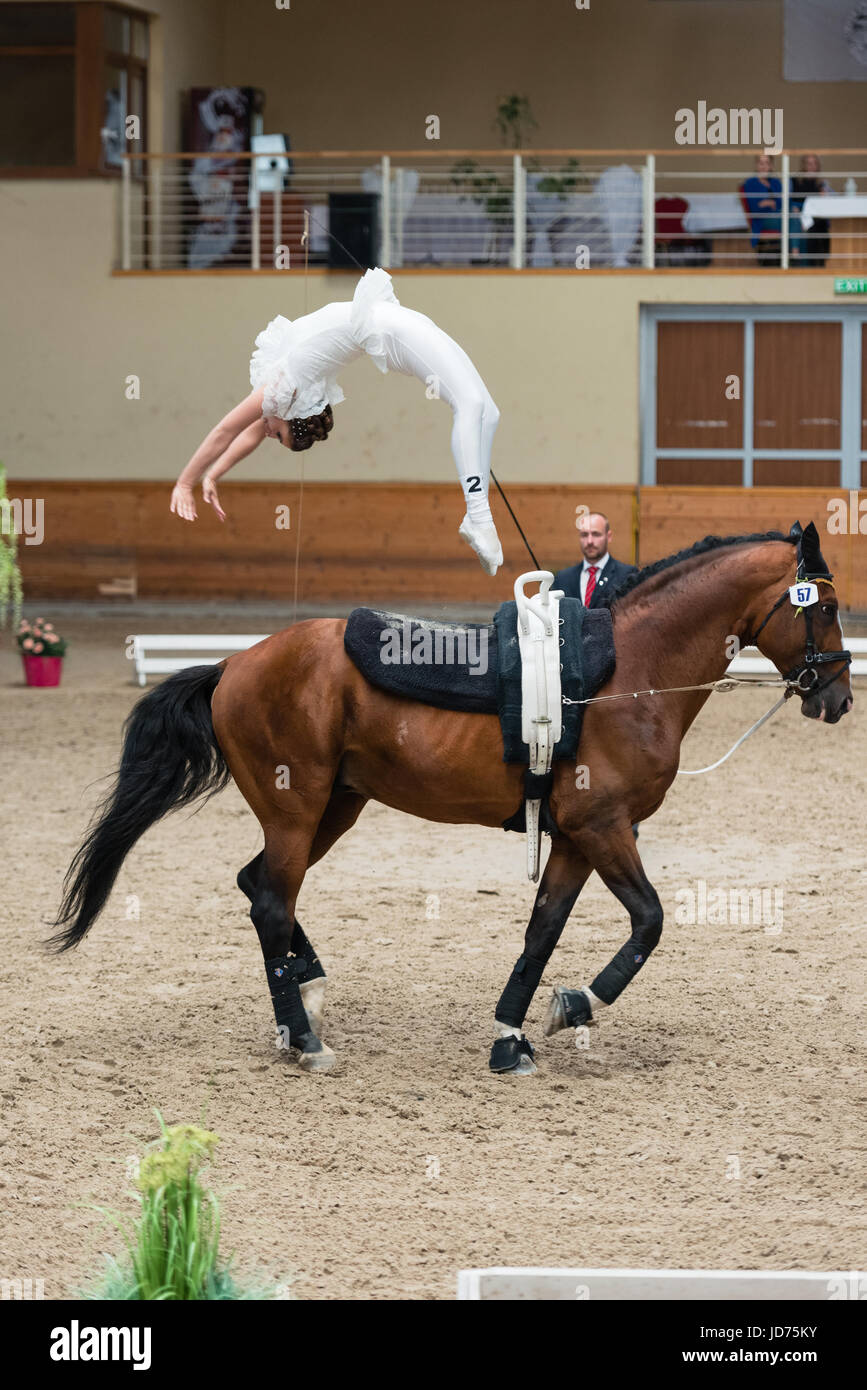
476,667
450,665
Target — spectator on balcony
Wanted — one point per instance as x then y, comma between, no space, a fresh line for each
809,183
762,199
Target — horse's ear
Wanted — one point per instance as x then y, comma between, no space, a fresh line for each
810,557
812,551
797,531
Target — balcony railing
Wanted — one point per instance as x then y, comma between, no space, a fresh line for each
583,209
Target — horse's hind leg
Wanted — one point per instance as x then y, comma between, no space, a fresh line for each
256,880
565,875
272,909
614,855
311,980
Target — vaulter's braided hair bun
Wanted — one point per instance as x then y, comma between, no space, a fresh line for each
303,434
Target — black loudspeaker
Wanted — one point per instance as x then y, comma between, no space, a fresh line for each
353,220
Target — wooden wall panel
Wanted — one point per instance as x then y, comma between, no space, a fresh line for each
359,543
694,361
370,543
797,473
797,385
672,518
699,471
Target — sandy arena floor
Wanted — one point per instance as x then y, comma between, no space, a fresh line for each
717,1119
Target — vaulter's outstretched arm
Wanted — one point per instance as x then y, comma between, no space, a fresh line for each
212,448
240,448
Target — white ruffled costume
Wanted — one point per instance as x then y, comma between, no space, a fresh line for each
296,362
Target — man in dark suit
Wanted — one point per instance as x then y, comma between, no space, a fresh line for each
599,572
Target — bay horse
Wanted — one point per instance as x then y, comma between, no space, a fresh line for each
309,741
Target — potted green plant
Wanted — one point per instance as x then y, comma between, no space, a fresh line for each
514,120
42,651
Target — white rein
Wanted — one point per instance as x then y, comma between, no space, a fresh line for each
721,686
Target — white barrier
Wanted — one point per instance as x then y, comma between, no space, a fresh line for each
760,666
161,642
162,665
648,1285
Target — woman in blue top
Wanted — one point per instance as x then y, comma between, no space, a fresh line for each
763,196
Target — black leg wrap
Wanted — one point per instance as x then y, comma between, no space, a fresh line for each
612,981
522,985
300,946
506,1053
291,1016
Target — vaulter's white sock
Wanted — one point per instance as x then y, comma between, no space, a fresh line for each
485,542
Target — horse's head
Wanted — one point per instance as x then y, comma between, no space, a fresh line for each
801,633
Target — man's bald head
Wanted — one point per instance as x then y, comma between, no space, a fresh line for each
594,533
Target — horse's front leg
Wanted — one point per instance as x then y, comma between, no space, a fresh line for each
614,856
565,875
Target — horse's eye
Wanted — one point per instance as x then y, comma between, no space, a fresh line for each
828,609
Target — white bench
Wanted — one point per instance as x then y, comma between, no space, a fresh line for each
602,1285
217,646
760,666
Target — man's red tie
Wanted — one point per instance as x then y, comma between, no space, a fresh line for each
591,584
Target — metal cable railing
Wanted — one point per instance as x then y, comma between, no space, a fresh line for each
521,209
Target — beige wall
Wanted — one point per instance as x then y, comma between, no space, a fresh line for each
559,353
343,75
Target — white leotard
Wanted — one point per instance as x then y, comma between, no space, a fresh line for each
297,364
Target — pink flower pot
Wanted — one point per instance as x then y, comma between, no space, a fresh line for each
42,670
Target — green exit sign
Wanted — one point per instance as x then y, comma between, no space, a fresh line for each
849,284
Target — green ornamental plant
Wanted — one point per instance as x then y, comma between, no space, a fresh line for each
172,1246
514,120
10,574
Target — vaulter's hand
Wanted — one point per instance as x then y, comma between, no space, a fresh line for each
183,502
209,493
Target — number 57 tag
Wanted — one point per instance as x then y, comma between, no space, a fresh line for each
802,595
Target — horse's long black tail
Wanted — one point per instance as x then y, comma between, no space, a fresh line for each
170,758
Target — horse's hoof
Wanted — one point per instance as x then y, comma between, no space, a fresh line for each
555,1017
512,1056
315,1056
313,999
526,1067
567,1008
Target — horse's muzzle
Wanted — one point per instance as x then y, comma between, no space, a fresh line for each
827,706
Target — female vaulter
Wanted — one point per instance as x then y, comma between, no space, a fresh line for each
293,374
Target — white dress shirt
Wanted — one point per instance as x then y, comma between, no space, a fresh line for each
600,565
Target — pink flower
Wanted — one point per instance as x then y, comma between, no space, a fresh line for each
40,621
24,626
37,647
49,627
27,643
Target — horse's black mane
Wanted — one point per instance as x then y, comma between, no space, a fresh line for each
700,548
